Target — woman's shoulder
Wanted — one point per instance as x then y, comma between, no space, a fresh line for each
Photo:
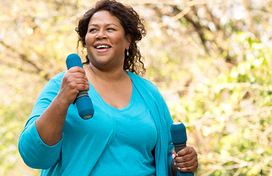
57,78
142,80
144,83
54,83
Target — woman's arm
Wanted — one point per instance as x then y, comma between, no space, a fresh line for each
49,125
40,141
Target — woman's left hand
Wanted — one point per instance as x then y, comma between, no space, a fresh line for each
186,159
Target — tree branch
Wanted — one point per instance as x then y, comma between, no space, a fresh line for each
24,58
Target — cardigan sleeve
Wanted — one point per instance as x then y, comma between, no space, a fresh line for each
169,122
33,150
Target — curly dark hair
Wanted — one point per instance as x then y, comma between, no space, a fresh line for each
132,24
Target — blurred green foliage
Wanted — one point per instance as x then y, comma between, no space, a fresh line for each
17,92
210,60
229,118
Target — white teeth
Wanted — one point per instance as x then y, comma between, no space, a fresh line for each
102,46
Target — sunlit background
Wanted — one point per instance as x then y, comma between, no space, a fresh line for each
211,60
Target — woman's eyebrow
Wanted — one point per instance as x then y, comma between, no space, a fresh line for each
96,25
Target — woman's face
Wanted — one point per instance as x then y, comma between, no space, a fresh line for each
106,41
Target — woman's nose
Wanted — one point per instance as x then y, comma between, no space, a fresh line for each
101,34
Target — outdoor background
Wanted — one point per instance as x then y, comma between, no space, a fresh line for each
211,60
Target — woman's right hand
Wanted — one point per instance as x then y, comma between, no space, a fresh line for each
74,81
50,124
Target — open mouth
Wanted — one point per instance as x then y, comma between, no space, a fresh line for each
102,46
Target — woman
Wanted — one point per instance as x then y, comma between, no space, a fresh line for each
129,133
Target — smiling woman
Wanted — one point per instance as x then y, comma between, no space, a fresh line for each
132,25
106,41
129,133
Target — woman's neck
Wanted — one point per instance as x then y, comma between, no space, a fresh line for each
105,76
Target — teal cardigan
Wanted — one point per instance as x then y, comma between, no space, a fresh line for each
79,149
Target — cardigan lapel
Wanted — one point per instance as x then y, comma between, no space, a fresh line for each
150,93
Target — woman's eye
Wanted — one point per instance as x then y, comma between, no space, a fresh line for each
111,29
93,30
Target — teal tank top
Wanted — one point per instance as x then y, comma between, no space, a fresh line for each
130,153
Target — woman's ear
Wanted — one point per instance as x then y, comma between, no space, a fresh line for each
128,37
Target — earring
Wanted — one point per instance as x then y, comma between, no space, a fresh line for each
127,53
